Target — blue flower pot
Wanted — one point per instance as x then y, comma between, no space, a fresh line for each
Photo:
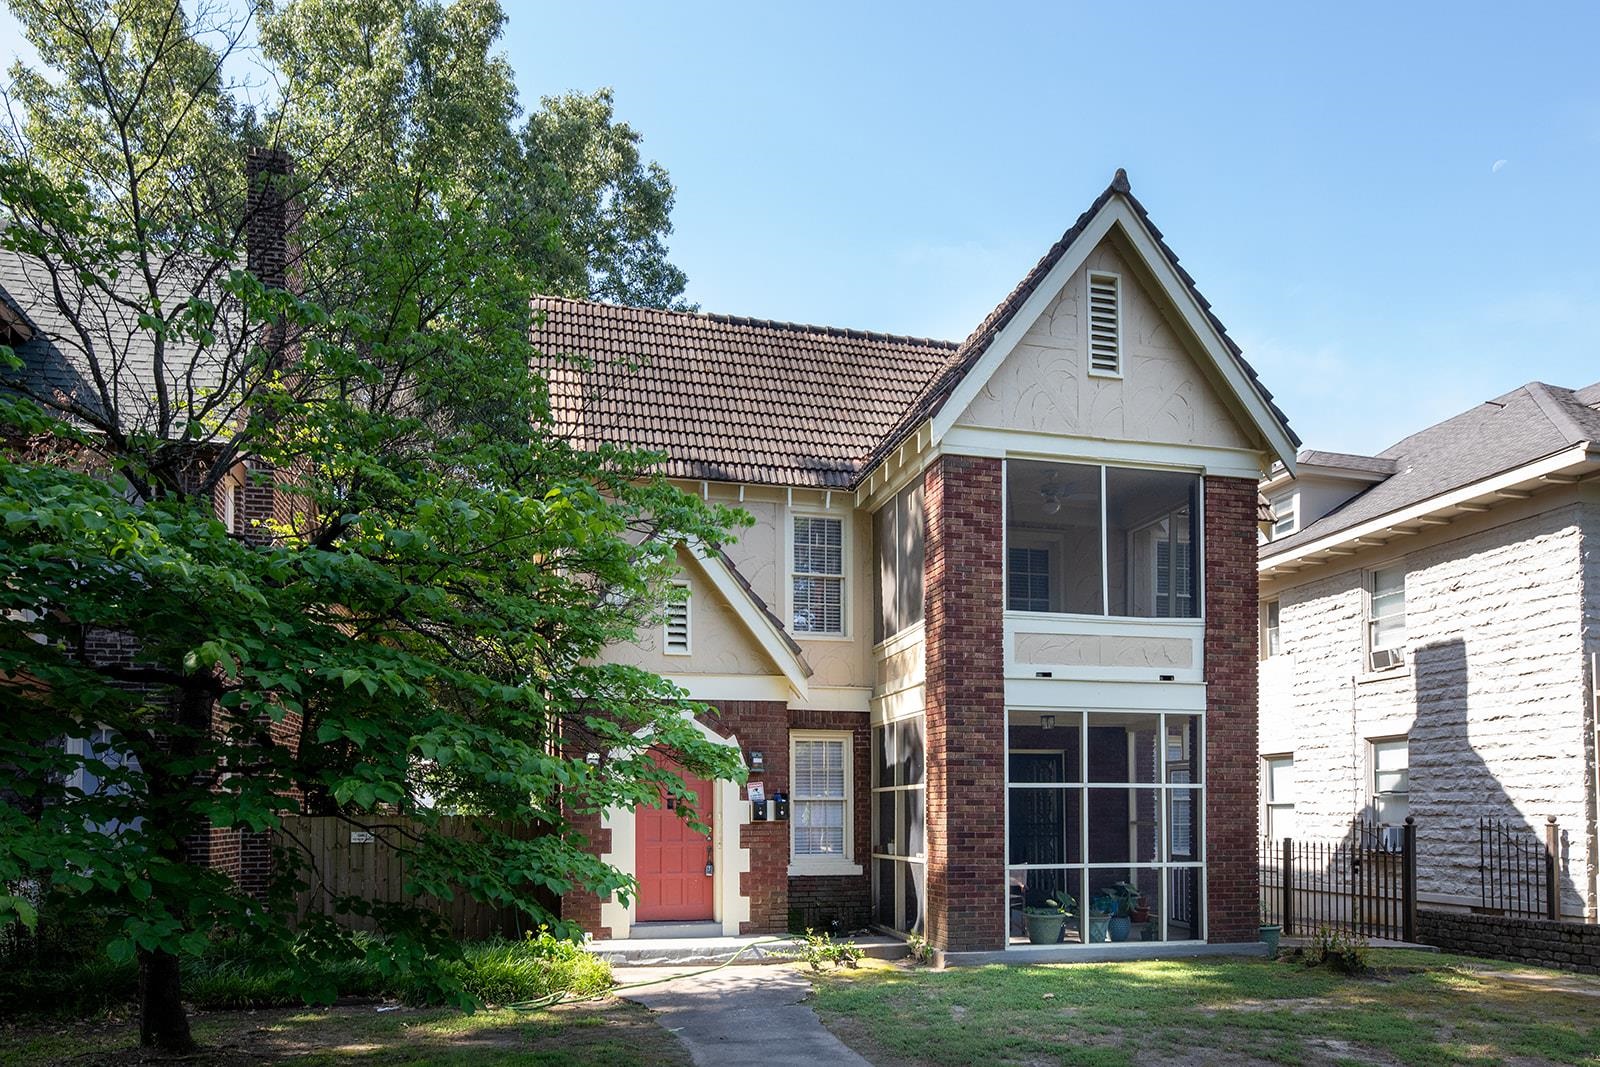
1121,927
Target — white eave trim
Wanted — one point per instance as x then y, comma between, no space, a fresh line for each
1514,484
1118,213
760,625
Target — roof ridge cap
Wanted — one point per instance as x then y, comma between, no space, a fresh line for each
769,324
1556,412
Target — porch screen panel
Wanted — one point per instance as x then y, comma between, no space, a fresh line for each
899,831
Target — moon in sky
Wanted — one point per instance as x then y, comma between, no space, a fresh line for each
1499,165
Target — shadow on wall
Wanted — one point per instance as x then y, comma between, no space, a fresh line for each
1452,787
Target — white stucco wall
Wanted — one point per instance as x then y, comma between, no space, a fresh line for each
1162,396
1492,695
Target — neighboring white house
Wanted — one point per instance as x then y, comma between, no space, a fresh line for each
1430,620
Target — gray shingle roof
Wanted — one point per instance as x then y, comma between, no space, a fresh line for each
57,357
1526,424
1312,457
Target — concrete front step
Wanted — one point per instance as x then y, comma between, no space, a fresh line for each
680,951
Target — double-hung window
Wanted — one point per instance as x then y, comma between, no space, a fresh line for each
1270,614
818,575
819,816
1391,780
1277,782
1386,618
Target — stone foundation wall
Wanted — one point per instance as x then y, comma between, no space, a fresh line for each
1569,946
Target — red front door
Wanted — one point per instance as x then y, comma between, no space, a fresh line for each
672,858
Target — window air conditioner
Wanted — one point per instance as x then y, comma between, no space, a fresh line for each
1385,658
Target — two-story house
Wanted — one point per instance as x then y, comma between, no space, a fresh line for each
1430,620
992,637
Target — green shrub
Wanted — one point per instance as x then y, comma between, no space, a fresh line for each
821,951
1340,951
234,975
507,972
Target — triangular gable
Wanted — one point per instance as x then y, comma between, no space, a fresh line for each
1115,211
752,612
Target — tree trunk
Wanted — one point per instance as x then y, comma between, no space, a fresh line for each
162,1022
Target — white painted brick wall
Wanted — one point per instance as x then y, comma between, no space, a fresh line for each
1492,696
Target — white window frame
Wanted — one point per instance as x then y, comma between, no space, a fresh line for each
1271,628
688,623
846,535
1280,513
1375,746
230,504
816,866
1370,587
1090,278
1270,802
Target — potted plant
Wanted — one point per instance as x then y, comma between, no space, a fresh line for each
1125,898
1046,919
1270,932
1101,908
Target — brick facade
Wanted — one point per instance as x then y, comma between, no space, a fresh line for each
1232,900
762,725
965,701
839,902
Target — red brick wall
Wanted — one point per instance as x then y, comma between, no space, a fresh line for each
763,725
965,705
819,902
1233,903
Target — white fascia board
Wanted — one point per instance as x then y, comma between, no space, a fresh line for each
836,698
1580,455
755,620
714,687
1031,444
1105,694
1118,213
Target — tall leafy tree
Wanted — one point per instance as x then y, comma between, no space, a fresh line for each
421,631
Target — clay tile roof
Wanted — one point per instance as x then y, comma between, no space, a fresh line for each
728,398
736,399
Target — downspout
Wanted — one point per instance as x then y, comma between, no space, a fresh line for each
1591,783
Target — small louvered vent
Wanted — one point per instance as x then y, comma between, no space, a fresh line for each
1105,325
677,625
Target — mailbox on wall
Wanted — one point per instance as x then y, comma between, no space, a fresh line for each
780,806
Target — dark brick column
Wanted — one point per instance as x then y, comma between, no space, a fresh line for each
965,705
1233,892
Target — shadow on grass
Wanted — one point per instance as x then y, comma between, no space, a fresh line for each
607,1033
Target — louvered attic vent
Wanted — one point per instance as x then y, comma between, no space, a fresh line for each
1105,325
677,625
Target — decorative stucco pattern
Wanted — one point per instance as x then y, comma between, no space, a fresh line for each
1044,385
1492,696
1103,650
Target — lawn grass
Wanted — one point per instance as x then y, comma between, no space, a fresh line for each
1417,1008
604,1033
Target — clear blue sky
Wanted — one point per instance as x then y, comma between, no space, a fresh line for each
1330,174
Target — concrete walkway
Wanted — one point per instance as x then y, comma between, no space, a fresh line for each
740,1015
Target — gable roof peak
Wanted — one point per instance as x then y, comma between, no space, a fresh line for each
1120,184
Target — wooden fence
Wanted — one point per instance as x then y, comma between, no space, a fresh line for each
368,860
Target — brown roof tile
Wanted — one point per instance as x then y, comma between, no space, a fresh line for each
751,400
728,398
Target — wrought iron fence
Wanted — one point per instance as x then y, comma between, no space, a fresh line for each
1518,874
1364,882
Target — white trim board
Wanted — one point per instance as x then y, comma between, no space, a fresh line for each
1118,213
792,665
